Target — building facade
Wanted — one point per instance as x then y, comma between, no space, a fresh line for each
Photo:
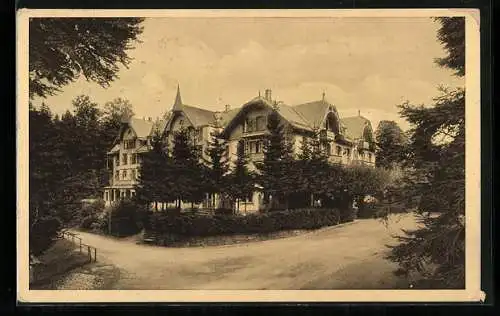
124,159
348,140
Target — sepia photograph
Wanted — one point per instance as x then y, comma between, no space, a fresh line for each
248,155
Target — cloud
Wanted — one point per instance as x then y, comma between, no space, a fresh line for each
366,64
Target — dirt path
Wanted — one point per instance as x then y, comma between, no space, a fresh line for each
345,257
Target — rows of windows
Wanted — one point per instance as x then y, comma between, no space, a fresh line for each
117,194
127,159
131,174
254,146
129,143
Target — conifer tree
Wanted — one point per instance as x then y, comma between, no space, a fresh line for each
437,157
187,170
152,187
218,166
276,166
241,180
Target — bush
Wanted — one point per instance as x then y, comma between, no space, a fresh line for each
189,225
368,210
223,211
127,218
43,233
88,215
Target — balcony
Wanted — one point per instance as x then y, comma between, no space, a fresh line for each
327,135
252,133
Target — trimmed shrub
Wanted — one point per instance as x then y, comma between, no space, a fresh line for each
190,225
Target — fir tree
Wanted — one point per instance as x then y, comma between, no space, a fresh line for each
390,144
276,166
305,149
218,166
437,157
152,186
188,171
241,179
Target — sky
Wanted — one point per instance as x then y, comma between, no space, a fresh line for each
365,64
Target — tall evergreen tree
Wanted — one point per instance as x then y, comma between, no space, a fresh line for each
188,171
390,141
241,180
276,166
152,186
218,166
437,158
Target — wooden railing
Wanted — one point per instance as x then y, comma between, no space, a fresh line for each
77,241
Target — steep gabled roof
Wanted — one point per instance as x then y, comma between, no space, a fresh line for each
198,116
355,126
142,128
313,112
293,117
285,111
227,116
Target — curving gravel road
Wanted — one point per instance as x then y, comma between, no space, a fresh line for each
348,256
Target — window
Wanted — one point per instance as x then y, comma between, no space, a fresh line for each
134,174
124,159
347,152
261,123
328,148
199,132
248,198
258,147
250,125
117,160
339,150
369,157
106,196
133,159
129,143
124,174
117,175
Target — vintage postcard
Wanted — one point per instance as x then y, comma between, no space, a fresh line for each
248,156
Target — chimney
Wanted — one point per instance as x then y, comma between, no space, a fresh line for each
228,107
268,95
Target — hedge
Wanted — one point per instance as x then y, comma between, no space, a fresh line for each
192,225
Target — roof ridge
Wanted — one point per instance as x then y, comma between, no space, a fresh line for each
198,108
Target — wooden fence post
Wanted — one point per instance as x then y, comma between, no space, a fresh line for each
90,253
80,245
95,254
